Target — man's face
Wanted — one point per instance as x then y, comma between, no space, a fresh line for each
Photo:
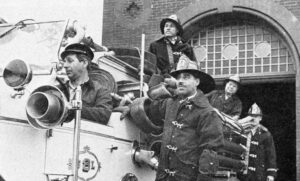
231,87
186,84
170,29
256,120
74,68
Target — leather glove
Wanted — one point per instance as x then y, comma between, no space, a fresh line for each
270,178
171,82
124,103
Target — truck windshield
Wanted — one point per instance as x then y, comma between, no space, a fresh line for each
37,43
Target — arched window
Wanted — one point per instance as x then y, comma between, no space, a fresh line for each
246,47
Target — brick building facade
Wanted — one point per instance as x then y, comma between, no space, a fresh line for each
274,85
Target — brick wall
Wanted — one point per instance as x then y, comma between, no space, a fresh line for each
122,29
292,5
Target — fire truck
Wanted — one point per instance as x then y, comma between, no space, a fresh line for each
35,143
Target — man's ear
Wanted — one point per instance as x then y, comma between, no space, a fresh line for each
85,63
177,31
197,81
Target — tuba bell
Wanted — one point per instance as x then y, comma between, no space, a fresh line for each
46,107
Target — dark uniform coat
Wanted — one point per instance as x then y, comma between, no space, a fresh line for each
232,106
96,101
262,157
189,128
159,48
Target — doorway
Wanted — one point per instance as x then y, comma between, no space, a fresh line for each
277,101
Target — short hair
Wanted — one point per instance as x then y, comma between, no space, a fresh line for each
82,57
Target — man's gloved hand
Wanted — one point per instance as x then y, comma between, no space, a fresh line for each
171,85
171,82
124,103
270,178
125,110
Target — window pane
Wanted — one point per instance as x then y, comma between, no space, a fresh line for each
241,39
249,62
234,39
249,46
225,71
274,68
226,40
241,70
233,32
218,56
218,41
274,60
266,68
241,61
257,69
283,59
291,67
249,54
234,62
210,49
266,61
225,63
257,61
282,68
202,64
233,70
249,69
241,54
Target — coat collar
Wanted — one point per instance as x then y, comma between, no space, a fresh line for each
165,40
88,84
199,99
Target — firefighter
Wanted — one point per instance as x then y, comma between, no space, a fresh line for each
262,156
96,99
168,50
226,100
192,129
171,46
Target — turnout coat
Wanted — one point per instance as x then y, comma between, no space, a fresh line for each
191,128
262,157
232,106
159,48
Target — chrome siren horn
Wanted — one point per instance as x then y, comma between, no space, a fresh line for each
46,107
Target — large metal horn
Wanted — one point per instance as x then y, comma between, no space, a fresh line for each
46,107
143,157
139,116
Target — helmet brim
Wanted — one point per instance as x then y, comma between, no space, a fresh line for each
178,26
207,83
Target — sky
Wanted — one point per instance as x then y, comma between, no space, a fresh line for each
40,47
88,12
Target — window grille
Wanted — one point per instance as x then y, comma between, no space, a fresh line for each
242,47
